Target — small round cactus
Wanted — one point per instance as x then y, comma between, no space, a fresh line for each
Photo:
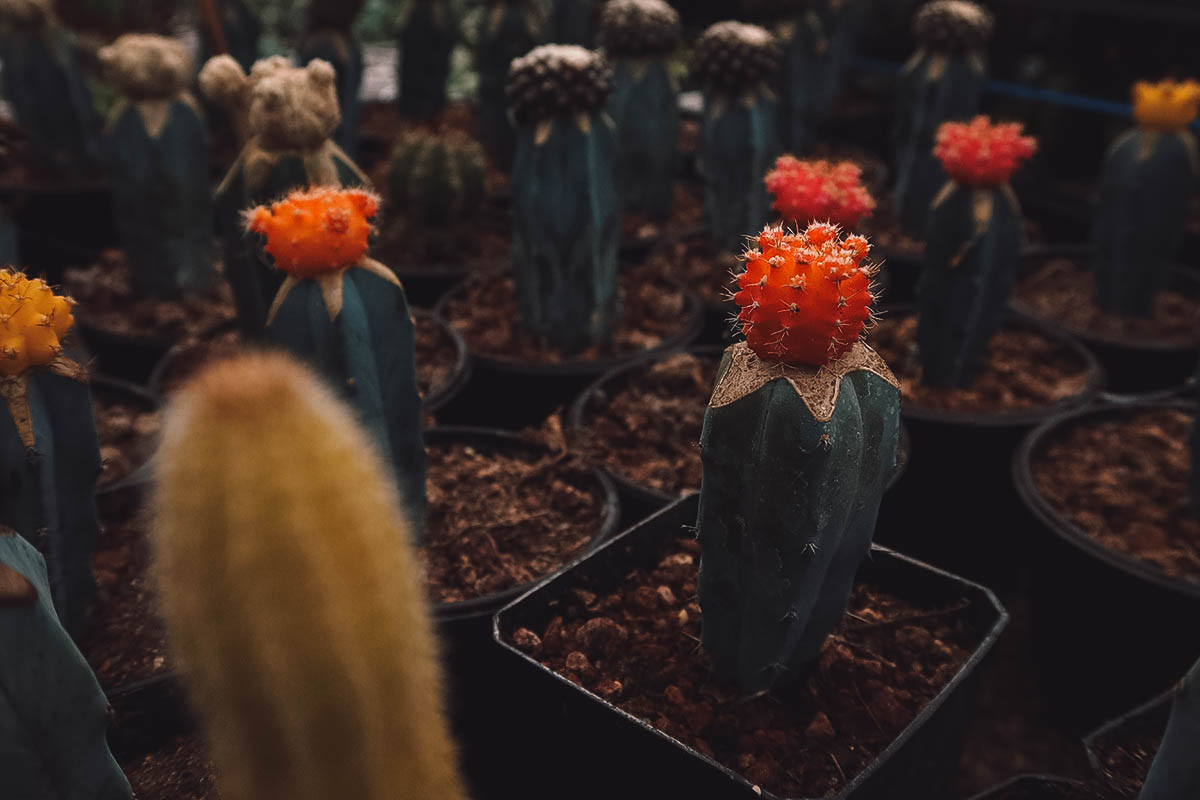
1167,106
732,56
953,26
980,153
33,320
805,297
555,80
819,191
437,177
316,232
639,28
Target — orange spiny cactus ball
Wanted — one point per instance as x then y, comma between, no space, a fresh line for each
316,231
33,320
805,298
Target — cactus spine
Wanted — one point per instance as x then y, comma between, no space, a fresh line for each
292,595
346,314
329,36
507,30
738,136
943,81
427,38
565,219
1175,773
156,147
436,178
639,36
972,244
799,443
1150,175
52,712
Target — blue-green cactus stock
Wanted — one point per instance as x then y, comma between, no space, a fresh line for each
427,38
507,30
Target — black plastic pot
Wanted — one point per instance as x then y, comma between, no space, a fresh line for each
958,482
515,394
126,358
106,388
570,737
1131,366
1106,628
1147,721
1033,787
425,287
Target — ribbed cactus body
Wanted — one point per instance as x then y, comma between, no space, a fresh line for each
342,50
738,145
1175,773
566,230
796,460
49,463
427,39
45,85
935,87
436,178
645,107
508,29
52,712
1145,192
801,71
157,159
971,250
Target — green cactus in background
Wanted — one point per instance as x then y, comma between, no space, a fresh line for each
565,219
329,36
1175,773
45,85
292,596
240,29
971,249
347,315
640,36
52,712
739,136
156,147
427,37
507,30
799,443
841,20
942,82
1150,176
436,178
572,22
805,46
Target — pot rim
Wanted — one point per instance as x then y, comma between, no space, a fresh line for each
998,790
1091,741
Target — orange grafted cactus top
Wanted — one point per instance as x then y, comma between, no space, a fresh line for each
819,191
33,321
805,298
1167,106
980,153
314,232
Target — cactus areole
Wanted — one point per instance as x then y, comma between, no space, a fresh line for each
799,443
819,191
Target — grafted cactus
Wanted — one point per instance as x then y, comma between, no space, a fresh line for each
819,191
346,314
49,452
639,36
799,443
329,36
1150,175
45,85
508,29
427,37
156,148
1175,773
565,232
972,244
293,596
738,137
436,178
52,712
943,81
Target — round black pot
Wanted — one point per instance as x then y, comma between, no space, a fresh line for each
1146,722
127,358
425,287
1131,366
639,501
561,733
1106,628
1034,787
60,227
106,388
516,394
958,482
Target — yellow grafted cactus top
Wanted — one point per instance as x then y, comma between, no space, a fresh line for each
1166,106
33,321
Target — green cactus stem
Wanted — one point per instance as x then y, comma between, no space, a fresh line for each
329,36
805,47
1175,773
427,37
240,28
842,20
565,221
573,22
436,179
507,30
52,712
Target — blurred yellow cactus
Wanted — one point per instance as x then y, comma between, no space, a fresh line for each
1166,106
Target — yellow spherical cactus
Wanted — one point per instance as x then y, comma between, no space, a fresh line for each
33,321
1167,105
292,598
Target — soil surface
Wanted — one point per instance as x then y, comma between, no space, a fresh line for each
1025,370
484,311
1126,753
1124,481
107,302
127,431
181,770
1063,291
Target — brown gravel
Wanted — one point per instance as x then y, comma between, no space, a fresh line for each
181,770
127,432
1124,481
